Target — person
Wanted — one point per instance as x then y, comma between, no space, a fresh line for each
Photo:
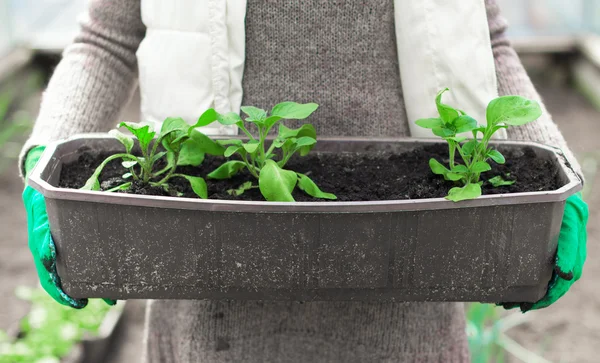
360,61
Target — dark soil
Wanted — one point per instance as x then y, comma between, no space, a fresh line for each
350,176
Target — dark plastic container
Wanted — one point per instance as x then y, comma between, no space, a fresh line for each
122,246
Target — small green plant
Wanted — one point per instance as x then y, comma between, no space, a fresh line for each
483,333
181,145
15,120
499,181
487,332
266,164
475,153
50,330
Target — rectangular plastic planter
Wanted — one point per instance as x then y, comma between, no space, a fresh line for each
495,248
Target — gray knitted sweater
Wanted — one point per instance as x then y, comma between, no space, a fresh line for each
341,55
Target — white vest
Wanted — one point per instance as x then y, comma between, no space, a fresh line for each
192,58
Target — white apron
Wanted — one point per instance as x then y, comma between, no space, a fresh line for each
192,58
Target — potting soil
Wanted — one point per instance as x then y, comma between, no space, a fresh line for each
350,176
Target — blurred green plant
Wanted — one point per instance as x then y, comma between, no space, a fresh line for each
486,331
15,121
50,330
483,334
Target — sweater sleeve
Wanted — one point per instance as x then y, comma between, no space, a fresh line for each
513,80
96,76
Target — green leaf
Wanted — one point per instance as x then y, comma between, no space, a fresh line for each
241,189
166,143
498,127
460,169
453,176
498,181
457,138
305,141
124,139
309,187
91,184
205,144
251,146
278,142
198,185
174,125
127,175
469,147
208,117
123,186
304,130
143,133
232,150
469,191
293,110
464,123
288,145
512,110
174,134
270,121
227,170
496,156
230,118
236,142
129,164
191,153
447,113
480,167
437,167
170,143
429,123
443,132
276,184
480,129
254,113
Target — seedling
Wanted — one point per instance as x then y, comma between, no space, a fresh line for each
499,181
181,145
50,331
501,112
265,164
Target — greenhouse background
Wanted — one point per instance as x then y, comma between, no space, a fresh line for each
551,17
48,25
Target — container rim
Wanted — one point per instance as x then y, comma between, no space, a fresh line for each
573,185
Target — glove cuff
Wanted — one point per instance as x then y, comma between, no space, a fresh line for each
33,156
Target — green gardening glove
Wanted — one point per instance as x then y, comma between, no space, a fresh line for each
570,255
40,240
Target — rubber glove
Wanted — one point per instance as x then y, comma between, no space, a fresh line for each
570,255
40,240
